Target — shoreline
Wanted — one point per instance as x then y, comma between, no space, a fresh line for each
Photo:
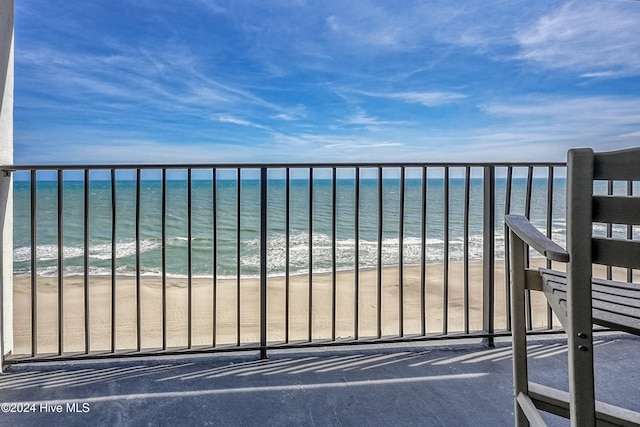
248,277
202,320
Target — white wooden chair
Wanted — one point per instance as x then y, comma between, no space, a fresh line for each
578,299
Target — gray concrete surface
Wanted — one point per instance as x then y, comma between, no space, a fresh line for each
436,384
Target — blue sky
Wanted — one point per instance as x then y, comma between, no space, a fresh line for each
323,81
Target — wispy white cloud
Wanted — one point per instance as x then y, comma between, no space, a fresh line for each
428,99
417,25
211,6
289,114
378,31
96,146
594,38
165,80
574,113
237,121
362,118
362,146
544,127
286,117
334,147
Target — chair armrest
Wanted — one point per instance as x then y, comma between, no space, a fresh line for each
521,226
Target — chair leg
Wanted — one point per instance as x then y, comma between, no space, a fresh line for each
580,345
581,382
518,326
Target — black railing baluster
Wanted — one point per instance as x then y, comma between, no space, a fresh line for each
214,256
287,253
264,202
609,230
549,231
423,255
465,258
527,200
488,256
356,232
401,254
629,231
189,258
163,258
114,254
60,262
238,254
87,326
310,227
138,267
34,264
445,278
507,246
334,238
380,239
527,213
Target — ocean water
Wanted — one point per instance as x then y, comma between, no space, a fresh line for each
232,246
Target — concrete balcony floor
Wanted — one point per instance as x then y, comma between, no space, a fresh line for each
453,383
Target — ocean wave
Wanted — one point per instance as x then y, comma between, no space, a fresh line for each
99,251
283,255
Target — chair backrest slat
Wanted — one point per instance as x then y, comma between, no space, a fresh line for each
616,252
584,208
623,165
616,210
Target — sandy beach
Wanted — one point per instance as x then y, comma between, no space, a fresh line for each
226,304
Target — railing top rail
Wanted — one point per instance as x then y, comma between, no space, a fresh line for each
156,166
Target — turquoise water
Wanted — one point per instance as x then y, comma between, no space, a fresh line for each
247,226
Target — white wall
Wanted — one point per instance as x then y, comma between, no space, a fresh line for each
6,158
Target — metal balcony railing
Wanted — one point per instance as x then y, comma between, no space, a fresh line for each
114,260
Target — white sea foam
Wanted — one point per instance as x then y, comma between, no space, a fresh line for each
100,251
322,249
369,253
